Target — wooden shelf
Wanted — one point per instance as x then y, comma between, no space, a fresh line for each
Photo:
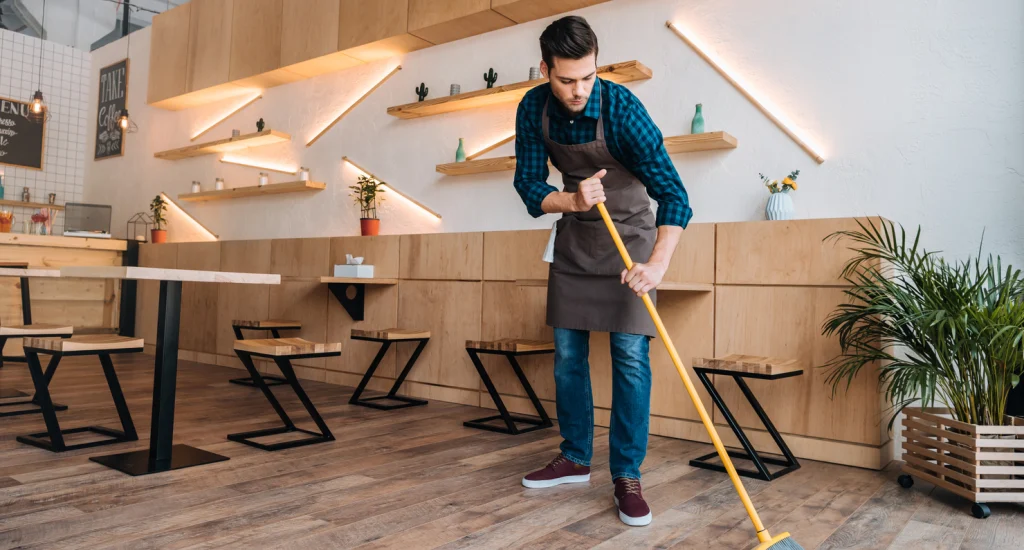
690,143
619,73
359,280
257,139
254,191
4,202
683,287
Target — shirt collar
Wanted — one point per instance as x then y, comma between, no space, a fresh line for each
591,110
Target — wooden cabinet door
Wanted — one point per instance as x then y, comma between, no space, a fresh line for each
209,43
168,54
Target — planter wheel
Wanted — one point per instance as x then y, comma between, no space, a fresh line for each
981,511
905,481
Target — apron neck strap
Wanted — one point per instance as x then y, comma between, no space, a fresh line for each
545,120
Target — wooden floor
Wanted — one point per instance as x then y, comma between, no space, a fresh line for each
416,478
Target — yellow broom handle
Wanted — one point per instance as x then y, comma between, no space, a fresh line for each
762,533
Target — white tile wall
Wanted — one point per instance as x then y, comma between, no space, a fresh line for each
65,86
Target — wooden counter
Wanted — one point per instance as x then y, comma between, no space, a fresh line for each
468,286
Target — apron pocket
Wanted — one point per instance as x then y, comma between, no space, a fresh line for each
586,247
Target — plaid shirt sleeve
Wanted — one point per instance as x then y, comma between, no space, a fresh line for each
645,156
531,181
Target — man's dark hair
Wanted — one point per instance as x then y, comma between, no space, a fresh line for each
569,38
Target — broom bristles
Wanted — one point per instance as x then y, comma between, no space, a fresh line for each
784,543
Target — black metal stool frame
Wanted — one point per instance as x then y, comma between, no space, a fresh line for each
53,438
511,421
285,364
269,379
26,319
51,368
393,393
760,462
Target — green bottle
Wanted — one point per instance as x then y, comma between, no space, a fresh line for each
697,127
1,186
460,153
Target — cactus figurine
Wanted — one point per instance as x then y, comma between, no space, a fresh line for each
460,153
260,124
490,77
422,91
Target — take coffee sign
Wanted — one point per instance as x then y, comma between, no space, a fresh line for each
21,139
113,96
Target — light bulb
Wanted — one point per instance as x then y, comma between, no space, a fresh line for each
37,102
124,122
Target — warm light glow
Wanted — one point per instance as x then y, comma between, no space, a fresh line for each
493,146
398,193
353,105
229,114
227,159
202,228
769,109
124,122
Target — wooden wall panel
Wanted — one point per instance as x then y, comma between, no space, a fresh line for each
168,54
786,322
522,11
781,252
301,296
148,293
241,301
382,252
447,256
256,37
440,21
309,29
369,31
511,255
380,311
694,258
199,300
450,310
511,311
209,44
305,258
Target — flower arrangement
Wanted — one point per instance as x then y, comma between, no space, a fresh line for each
788,183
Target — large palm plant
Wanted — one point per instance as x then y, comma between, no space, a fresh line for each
941,332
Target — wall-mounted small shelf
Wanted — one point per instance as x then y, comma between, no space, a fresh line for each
619,73
254,191
31,204
690,143
257,139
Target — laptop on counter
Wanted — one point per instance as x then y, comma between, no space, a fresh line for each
87,220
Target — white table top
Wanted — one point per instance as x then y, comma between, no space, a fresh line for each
160,274
30,272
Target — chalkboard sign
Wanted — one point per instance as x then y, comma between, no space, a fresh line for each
113,95
21,139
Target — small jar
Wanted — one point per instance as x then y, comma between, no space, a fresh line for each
455,89
218,184
534,73
25,195
52,198
235,133
303,174
264,178
195,187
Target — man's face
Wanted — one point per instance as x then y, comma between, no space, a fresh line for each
572,80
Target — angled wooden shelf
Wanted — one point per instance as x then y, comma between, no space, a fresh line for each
690,143
627,71
257,139
254,191
23,204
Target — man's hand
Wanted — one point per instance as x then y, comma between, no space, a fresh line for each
589,193
643,277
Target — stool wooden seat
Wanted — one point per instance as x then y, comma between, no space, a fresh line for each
282,351
36,329
387,337
740,366
510,348
274,326
86,343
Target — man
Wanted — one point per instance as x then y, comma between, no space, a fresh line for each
600,137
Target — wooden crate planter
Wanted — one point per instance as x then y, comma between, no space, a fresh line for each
983,464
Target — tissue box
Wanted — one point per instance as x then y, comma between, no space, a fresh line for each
360,271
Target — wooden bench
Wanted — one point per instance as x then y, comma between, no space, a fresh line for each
387,337
510,348
101,345
282,351
739,367
274,326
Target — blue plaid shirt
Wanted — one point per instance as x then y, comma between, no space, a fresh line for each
633,139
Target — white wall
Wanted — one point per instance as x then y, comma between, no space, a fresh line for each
64,83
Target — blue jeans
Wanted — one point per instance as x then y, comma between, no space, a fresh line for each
631,399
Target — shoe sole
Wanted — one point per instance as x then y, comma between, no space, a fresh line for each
631,521
545,483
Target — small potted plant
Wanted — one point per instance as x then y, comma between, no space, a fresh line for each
158,207
780,205
366,193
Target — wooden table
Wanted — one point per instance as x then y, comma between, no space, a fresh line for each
163,454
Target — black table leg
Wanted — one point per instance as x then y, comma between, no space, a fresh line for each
163,455
26,302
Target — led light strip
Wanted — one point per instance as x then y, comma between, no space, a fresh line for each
492,147
353,106
389,186
178,207
247,164
773,114
227,116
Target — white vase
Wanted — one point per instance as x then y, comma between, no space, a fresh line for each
780,207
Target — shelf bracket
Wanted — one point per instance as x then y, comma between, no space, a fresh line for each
354,305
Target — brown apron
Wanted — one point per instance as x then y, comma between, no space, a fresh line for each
584,289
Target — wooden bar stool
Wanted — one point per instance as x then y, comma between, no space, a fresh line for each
510,348
386,338
282,351
37,330
740,367
101,345
274,326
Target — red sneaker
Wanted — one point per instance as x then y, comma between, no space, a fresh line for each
560,470
633,511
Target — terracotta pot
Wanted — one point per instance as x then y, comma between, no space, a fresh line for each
158,236
369,226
